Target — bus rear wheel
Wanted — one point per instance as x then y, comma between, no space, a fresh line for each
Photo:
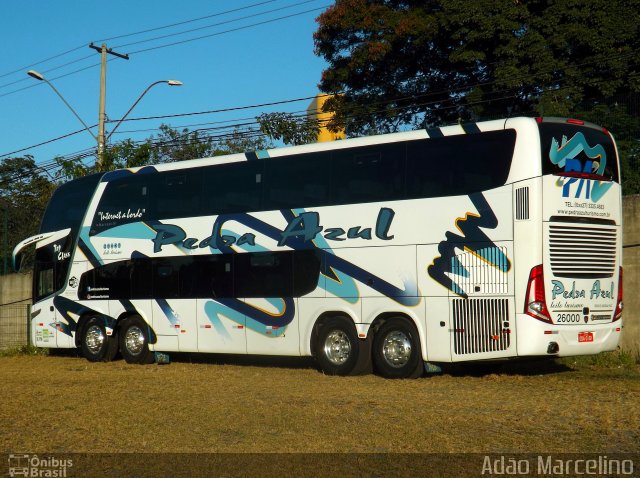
134,341
95,344
338,350
396,350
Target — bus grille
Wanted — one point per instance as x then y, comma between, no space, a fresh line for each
480,325
582,252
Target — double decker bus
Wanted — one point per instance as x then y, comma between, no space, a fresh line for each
471,242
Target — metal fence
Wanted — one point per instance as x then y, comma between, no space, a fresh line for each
14,325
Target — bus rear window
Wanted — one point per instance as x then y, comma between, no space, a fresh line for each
580,151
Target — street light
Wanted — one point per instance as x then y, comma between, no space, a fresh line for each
40,77
100,140
168,82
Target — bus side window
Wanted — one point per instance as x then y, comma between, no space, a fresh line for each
306,271
206,276
375,173
264,274
175,194
140,277
429,172
301,181
233,188
123,201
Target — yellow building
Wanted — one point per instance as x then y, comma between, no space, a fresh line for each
314,111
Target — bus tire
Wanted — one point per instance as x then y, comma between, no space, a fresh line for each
95,344
338,350
396,350
134,341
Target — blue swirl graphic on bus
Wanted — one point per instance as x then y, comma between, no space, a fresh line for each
472,239
341,272
254,318
564,155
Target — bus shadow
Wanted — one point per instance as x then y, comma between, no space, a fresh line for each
517,367
267,361
521,367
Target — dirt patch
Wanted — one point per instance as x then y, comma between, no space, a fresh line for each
66,404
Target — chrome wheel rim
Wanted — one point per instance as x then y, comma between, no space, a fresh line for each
134,340
337,347
95,339
396,349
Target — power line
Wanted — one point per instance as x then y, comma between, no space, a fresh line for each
22,69
168,116
412,97
169,35
183,22
165,45
181,42
58,55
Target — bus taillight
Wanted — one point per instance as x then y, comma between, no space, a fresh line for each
618,313
535,303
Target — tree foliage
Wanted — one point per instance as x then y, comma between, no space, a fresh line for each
169,145
402,62
289,128
24,193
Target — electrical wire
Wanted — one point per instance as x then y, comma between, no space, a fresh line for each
126,35
169,35
265,22
164,36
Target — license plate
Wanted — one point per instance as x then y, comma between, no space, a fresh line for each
585,337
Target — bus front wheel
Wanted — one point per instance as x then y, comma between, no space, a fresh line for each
95,344
134,341
396,350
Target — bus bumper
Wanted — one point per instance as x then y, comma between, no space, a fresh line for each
535,337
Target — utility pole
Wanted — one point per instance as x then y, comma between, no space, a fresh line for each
103,50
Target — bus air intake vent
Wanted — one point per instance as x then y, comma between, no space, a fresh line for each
522,204
481,272
582,251
480,325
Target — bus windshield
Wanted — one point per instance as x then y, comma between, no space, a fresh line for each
68,204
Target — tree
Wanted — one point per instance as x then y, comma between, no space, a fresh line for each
414,62
24,194
288,128
169,146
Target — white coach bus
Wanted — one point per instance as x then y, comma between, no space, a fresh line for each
470,242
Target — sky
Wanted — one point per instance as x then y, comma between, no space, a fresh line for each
249,56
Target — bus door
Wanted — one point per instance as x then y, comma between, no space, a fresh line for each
51,265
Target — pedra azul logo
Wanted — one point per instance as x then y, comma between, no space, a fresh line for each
567,154
303,228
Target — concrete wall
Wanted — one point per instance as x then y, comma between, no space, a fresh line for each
16,287
631,267
15,290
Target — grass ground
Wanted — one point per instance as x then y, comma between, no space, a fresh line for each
59,404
